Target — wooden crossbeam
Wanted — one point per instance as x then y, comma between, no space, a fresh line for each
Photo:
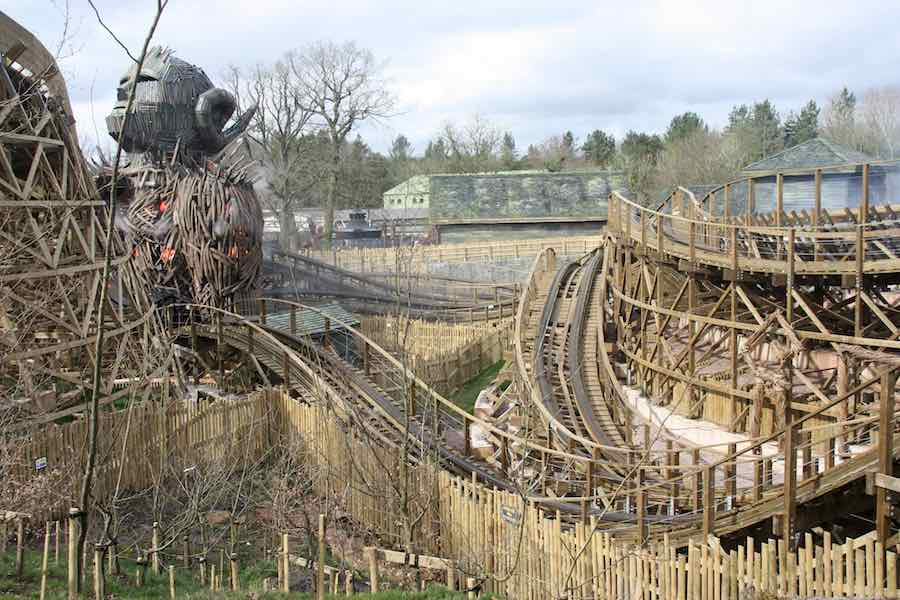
880,480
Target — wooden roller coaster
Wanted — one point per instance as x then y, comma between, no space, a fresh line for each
707,368
787,373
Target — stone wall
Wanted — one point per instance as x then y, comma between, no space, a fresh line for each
522,196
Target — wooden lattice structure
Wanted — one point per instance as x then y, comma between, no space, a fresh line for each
53,226
782,326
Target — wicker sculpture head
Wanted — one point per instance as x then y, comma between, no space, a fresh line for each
175,104
194,219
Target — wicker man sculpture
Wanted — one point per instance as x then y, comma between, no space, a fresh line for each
193,218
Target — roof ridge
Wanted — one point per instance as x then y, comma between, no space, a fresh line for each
836,154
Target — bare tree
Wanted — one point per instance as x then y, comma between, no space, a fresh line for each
473,146
881,114
342,85
553,154
87,480
280,137
701,157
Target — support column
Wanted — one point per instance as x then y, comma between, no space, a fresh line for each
885,453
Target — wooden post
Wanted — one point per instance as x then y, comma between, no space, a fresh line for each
74,580
366,366
202,562
817,214
45,561
172,582
757,473
348,583
212,577
20,546
789,286
320,563
731,473
861,252
140,566
155,542
641,505
99,579
451,578
885,453
373,570
112,555
235,579
790,481
56,543
589,479
697,480
673,474
467,435
186,544
471,594
709,501
286,563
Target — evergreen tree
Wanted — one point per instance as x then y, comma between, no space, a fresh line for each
803,127
844,105
599,148
683,126
568,143
641,146
756,130
436,150
509,157
401,148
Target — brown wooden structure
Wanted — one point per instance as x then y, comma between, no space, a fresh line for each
53,226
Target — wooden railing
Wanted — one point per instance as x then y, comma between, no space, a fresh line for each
859,241
503,541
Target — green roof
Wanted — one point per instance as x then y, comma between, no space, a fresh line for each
812,154
417,184
421,184
311,322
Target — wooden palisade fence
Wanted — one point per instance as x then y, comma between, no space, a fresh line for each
384,259
498,539
443,355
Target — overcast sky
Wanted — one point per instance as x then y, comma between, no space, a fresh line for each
534,68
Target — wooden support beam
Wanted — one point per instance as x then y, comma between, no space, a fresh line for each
731,473
709,501
876,481
641,505
790,479
885,452
697,492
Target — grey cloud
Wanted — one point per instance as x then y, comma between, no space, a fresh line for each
544,67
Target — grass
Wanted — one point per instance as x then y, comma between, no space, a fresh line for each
468,393
186,586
